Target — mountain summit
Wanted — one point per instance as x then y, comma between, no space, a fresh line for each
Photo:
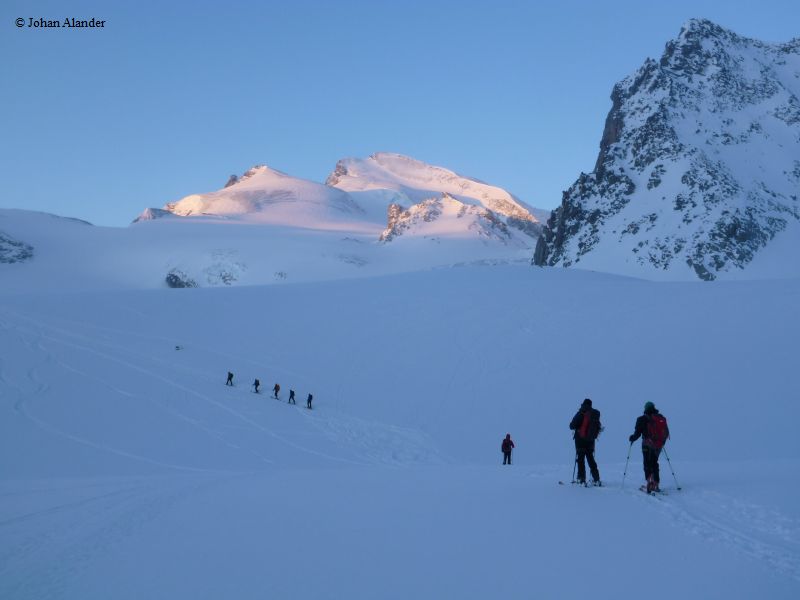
428,200
699,165
392,193
266,195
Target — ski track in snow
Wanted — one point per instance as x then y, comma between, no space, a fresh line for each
39,388
378,443
760,533
193,422
381,444
44,553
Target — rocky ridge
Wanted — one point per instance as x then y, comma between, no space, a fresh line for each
699,163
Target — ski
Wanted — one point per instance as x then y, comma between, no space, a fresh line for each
582,484
643,488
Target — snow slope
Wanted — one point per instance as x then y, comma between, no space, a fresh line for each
129,470
266,195
208,251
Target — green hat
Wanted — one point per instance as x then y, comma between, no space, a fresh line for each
649,406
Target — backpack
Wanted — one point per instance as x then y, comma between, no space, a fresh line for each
590,428
656,431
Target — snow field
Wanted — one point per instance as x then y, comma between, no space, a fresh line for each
129,466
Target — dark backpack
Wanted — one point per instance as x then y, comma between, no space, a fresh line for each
656,431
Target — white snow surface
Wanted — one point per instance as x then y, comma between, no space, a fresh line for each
244,250
266,195
129,470
414,181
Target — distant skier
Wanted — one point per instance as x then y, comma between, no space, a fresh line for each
507,446
291,397
308,401
230,379
587,426
276,389
652,428
256,385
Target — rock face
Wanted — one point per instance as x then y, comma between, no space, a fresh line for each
232,180
14,251
151,214
699,164
178,279
428,216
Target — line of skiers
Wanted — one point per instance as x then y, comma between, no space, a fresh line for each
276,389
651,426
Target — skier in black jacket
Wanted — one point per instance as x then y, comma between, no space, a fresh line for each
586,424
506,447
653,429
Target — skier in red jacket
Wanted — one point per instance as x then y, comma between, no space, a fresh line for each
653,429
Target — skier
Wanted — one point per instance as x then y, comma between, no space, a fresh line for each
230,379
291,397
276,389
586,424
256,384
308,401
507,446
652,428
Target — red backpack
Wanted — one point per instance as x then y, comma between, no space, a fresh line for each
657,431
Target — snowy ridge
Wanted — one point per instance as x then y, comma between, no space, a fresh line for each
413,182
269,196
698,169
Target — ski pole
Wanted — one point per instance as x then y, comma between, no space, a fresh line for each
625,473
669,462
574,466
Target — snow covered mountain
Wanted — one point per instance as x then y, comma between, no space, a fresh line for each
699,167
384,214
429,200
265,195
267,227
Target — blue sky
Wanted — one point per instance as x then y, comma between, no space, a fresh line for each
171,98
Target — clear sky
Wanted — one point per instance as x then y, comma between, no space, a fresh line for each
170,99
